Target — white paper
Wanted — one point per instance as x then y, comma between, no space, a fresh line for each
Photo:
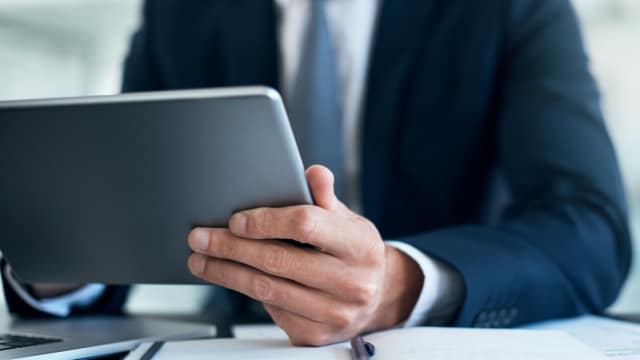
474,344
615,339
246,332
401,344
232,349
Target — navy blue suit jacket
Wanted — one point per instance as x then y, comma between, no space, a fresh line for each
483,141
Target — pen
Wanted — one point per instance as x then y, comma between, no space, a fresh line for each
151,352
361,350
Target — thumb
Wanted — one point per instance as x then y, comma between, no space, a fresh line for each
321,183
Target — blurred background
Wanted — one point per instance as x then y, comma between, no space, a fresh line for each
54,48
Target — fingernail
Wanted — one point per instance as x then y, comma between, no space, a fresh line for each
238,223
199,239
196,264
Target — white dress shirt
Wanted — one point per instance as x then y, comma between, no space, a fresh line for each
58,306
352,24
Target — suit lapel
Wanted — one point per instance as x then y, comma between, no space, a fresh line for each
250,45
398,34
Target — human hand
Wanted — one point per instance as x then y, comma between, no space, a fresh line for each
349,283
45,291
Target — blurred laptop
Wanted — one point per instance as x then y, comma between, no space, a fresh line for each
88,337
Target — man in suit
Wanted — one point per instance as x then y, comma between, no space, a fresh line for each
476,182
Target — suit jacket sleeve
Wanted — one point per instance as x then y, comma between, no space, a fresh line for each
563,246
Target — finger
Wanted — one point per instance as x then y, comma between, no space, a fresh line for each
301,331
293,297
321,181
306,224
311,268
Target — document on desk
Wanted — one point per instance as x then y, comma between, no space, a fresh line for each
613,338
410,343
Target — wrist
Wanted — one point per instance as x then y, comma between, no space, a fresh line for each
400,290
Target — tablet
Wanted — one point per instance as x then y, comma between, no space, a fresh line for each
106,189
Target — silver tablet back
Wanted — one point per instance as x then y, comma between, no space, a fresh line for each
106,189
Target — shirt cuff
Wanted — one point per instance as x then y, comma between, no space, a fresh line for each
58,306
442,291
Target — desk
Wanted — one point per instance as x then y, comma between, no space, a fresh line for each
224,324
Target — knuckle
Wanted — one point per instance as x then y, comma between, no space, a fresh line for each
360,292
264,222
306,223
218,273
342,316
276,260
263,289
370,226
375,253
365,293
257,222
206,270
225,247
213,272
251,223
376,245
